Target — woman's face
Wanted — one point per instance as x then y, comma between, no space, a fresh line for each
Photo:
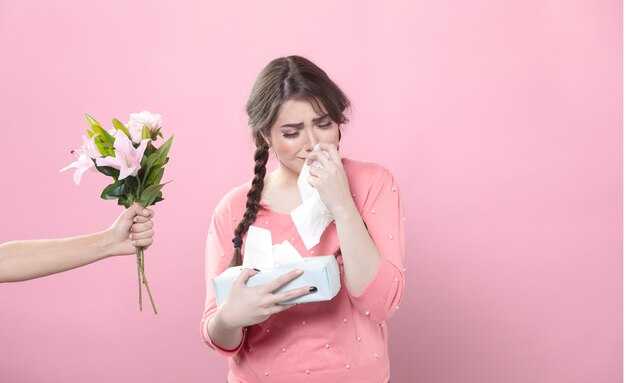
298,128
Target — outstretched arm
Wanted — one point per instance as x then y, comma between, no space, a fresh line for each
23,260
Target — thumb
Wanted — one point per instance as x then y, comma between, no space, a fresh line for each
132,211
128,214
140,210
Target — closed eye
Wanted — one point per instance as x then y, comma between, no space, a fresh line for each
291,135
323,122
325,125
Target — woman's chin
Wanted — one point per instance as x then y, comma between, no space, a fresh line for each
293,168
297,165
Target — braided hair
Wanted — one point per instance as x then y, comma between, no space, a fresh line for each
261,154
283,79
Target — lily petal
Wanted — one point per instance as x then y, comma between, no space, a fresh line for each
78,174
142,148
74,164
108,161
126,171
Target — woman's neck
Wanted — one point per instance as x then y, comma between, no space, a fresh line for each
283,177
281,193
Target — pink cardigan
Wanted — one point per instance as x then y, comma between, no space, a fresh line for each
342,340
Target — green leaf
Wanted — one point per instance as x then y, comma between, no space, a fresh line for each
115,190
154,176
149,165
126,200
159,197
164,149
154,160
149,194
119,126
108,171
133,184
123,201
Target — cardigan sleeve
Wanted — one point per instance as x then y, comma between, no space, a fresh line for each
218,254
382,212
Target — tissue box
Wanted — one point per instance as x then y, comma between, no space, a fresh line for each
321,271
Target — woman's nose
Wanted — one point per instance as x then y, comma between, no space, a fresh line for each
311,140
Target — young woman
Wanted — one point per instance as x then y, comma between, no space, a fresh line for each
294,106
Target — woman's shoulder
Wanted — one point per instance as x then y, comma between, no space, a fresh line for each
368,180
364,170
233,200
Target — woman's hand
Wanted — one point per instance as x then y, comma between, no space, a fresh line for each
247,306
132,229
330,180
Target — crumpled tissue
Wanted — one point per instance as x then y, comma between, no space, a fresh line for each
312,217
261,254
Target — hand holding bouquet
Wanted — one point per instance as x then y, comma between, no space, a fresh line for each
127,154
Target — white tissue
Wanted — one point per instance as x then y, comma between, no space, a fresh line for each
260,254
285,254
312,217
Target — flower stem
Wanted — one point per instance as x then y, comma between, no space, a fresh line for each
139,261
145,282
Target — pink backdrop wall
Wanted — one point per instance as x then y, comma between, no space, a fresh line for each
500,119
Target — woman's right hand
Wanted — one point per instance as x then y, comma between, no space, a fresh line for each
247,306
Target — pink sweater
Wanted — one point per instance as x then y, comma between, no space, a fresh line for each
342,340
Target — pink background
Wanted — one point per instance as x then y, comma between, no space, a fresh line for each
500,119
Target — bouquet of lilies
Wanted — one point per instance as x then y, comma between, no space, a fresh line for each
127,154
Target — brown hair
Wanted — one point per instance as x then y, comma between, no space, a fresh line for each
283,79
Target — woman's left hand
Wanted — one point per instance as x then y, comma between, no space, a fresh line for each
330,179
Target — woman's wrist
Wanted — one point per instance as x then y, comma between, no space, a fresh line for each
223,326
346,213
222,334
106,244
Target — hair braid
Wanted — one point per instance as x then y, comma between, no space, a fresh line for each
253,204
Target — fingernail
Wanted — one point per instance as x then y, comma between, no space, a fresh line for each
299,271
312,289
145,211
256,269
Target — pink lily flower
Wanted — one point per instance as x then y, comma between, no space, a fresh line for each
85,159
127,159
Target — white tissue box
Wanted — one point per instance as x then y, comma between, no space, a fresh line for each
321,272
